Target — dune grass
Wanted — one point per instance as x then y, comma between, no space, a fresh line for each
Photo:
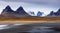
29,19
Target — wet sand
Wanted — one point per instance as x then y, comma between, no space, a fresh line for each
52,27
25,22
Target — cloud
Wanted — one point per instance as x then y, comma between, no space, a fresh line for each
35,1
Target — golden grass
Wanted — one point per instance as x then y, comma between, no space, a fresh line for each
29,19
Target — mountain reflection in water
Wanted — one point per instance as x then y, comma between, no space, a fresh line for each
30,28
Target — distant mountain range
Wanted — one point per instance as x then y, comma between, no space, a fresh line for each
20,12
32,13
39,13
52,13
8,12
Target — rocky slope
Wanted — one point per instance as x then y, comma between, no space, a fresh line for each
8,12
54,13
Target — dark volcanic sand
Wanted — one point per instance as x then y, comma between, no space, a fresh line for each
30,28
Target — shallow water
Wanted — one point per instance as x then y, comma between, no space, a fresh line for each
43,29
21,28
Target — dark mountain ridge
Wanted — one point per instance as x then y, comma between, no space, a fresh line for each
8,12
54,13
21,11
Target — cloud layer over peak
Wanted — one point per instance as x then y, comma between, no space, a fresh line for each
36,1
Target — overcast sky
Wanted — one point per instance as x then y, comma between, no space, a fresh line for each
32,5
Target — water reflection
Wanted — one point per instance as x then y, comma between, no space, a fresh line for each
21,28
43,29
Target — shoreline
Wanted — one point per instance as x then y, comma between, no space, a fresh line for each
25,22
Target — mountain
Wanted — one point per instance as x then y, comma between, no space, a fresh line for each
8,9
57,13
32,13
21,12
8,12
54,13
39,13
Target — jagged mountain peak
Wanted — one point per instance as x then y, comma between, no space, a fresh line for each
52,13
20,8
58,10
57,13
21,11
8,12
39,13
8,8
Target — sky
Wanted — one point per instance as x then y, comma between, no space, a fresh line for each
45,6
